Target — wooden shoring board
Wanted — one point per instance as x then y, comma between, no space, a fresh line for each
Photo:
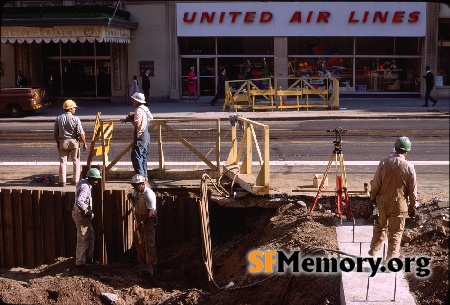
37,228
48,226
59,224
27,204
16,200
7,228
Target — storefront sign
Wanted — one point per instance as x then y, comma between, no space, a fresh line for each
400,19
22,34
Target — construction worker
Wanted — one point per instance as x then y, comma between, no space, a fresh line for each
141,120
82,216
68,133
393,184
144,207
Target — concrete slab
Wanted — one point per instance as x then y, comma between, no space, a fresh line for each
359,288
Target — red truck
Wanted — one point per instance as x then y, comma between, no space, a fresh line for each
19,101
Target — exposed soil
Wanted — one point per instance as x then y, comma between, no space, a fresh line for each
181,278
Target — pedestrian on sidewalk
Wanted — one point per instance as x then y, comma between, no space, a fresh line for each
68,133
134,87
192,83
393,184
144,208
429,84
220,86
140,121
82,215
146,85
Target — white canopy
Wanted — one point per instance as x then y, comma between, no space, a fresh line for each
21,34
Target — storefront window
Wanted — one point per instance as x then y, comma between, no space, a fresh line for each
387,74
407,46
77,49
443,63
197,45
239,68
375,46
245,45
320,46
102,48
50,49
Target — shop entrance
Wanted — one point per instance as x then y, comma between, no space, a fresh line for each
206,75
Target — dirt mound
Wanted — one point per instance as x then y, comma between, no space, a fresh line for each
181,278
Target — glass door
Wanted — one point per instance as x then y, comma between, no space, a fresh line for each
186,64
78,78
207,76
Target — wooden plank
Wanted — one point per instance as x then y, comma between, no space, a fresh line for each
37,228
70,230
16,199
48,227
59,224
170,219
28,220
97,223
181,222
159,229
8,230
107,226
2,246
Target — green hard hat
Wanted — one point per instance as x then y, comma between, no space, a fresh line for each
403,143
94,173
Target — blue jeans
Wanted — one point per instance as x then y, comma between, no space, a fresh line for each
139,153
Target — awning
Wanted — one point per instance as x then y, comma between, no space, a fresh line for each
21,34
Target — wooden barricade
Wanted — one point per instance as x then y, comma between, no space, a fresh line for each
268,96
36,227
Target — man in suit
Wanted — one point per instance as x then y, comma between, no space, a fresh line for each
146,85
429,78
220,87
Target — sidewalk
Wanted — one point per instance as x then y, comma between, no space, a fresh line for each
349,108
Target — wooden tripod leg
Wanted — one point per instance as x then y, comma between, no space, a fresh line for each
322,183
344,186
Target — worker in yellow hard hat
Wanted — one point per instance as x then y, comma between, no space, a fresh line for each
68,133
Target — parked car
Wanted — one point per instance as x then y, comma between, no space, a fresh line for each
20,101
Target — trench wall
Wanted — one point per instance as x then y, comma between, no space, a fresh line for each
36,226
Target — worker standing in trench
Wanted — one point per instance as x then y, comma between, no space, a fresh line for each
144,208
394,182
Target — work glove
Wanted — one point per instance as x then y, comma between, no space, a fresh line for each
129,196
88,214
411,210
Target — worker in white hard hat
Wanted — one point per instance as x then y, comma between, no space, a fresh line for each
140,121
144,207
393,185
68,133
82,215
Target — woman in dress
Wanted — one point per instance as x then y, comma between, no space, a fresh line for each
192,83
134,87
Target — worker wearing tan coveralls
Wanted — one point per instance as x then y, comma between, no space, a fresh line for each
393,184
144,205
82,215
67,132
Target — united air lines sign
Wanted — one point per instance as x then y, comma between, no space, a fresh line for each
399,19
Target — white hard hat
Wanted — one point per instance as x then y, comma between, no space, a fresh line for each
137,179
138,97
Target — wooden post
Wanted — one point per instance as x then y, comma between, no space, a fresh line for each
27,201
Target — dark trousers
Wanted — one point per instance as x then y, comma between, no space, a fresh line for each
428,96
147,95
220,93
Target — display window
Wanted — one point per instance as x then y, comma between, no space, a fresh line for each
197,45
324,46
241,68
245,46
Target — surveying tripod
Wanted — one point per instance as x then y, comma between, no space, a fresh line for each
341,176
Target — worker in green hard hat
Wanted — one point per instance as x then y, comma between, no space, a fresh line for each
393,185
82,216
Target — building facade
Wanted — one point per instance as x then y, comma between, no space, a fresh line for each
371,50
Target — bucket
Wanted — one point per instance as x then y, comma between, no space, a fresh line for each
318,179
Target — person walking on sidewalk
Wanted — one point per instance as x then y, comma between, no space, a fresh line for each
144,207
68,133
82,216
429,84
146,85
220,87
141,120
393,184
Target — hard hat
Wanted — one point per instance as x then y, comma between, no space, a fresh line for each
139,97
403,143
94,173
68,104
137,179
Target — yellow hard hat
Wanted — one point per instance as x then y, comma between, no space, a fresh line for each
68,104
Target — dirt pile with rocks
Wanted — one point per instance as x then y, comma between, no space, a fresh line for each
181,278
